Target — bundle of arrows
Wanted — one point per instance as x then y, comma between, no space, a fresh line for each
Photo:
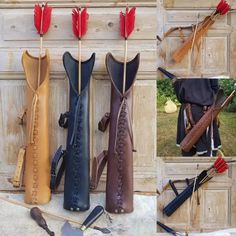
42,21
200,29
219,167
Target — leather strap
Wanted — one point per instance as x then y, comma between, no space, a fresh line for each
189,114
104,122
99,163
57,172
63,120
18,176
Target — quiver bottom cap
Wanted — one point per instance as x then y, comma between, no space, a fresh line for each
119,186
37,163
77,159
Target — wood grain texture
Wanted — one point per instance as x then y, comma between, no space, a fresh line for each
72,3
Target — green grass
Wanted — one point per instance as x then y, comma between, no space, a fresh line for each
166,133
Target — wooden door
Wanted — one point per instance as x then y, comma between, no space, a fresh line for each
18,34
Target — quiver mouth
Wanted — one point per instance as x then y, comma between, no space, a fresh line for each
37,162
76,120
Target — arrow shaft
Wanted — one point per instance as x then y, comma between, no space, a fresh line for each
125,63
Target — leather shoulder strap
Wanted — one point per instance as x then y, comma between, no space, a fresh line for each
57,172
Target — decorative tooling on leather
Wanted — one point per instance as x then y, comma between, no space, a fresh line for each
119,151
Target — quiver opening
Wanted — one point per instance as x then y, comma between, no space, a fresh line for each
119,186
37,163
77,158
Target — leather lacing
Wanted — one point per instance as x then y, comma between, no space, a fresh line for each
76,142
123,121
33,138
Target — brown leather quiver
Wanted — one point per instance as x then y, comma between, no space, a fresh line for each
200,127
119,157
201,29
37,162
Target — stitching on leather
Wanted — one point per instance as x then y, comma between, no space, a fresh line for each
77,146
34,193
120,145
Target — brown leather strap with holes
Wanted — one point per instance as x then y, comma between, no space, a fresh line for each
18,176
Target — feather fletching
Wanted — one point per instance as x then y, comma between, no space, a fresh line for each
79,22
223,7
42,18
127,22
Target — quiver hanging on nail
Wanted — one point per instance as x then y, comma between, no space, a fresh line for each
37,163
77,158
119,186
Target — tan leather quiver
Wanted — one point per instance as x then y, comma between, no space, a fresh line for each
200,127
37,163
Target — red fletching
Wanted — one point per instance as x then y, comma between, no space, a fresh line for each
226,10
223,7
79,22
42,18
127,21
220,165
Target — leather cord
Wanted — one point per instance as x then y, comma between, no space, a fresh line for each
33,118
130,129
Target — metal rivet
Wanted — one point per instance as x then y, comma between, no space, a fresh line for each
72,209
77,209
116,211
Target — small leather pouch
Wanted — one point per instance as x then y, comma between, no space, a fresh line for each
37,162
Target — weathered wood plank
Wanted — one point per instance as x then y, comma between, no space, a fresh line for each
103,24
72,3
200,4
147,49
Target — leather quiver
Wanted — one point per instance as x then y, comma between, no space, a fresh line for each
200,127
77,157
37,163
119,185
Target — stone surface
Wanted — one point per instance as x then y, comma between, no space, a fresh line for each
15,220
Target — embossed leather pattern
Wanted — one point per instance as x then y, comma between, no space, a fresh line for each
119,186
37,163
76,188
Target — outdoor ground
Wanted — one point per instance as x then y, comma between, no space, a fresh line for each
166,134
